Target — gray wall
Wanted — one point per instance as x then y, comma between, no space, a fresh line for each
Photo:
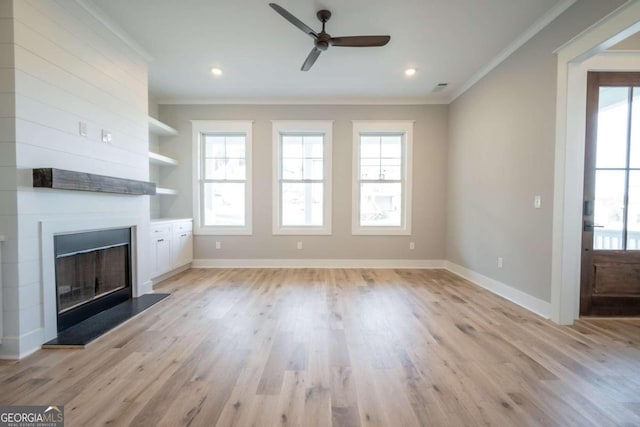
429,174
501,154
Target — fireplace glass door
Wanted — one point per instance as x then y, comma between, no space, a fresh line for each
89,275
93,273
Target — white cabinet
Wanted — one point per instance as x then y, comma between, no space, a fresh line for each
171,245
160,253
182,239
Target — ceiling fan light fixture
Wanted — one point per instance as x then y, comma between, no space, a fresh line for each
216,71
410,72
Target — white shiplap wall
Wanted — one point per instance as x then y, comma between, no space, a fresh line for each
8,205
69,68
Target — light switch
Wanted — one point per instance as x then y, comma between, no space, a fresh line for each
82,128
106,136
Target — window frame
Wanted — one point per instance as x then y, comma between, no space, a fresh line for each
201,128
404,127
280,127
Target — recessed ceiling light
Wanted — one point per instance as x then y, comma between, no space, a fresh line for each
216,71
410,72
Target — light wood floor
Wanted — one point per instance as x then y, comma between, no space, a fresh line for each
338,347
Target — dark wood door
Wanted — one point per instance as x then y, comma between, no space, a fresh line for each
610,283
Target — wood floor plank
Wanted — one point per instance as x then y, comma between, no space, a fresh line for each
338,347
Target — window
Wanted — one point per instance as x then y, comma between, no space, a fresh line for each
302,177
382,177
222,174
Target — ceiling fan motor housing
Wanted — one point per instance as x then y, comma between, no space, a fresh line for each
323,41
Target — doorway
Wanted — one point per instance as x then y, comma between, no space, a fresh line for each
610,268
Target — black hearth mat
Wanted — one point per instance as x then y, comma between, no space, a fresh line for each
88,330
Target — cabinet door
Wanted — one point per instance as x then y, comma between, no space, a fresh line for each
161,256
183,249
153,257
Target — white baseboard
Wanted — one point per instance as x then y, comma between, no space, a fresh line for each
16,348
146,288
165,276
318,263
531,303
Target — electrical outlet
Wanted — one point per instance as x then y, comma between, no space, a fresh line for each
107,138
299,245
500,262
412,245
537,202
218,245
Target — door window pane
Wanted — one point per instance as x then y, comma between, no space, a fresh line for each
609,209
633,217
381,204
613,115
634,160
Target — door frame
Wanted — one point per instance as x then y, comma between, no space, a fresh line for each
582,54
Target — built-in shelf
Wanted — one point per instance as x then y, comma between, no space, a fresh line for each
159,159
166,191
159,128
156,127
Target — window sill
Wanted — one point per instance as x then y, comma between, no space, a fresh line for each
381,231
301,232
222,231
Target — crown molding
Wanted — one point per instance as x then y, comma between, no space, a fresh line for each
338,100
538,26
108,23
632,29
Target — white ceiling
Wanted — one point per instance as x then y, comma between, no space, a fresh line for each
260,53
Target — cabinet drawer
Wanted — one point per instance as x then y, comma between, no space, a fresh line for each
157,229
182,226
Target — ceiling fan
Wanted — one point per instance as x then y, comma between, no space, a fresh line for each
323,40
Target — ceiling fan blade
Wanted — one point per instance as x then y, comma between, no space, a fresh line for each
311,59
295,21
360,41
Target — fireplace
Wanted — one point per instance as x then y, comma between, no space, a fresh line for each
92,273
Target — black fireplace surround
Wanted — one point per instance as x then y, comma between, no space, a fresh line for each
93,273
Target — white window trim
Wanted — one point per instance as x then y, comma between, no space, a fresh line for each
363,126
200,127
303,126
